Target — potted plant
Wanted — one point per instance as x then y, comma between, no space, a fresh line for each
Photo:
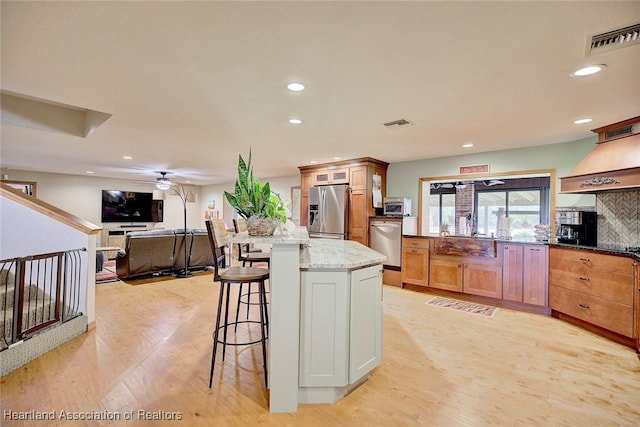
254,201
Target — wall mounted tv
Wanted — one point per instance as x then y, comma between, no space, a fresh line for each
130,206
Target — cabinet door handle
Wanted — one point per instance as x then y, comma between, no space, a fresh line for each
535,249
585,279
584,259
584,305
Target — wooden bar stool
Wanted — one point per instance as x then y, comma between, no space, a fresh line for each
248,255
232,276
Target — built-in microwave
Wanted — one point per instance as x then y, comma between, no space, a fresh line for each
396,206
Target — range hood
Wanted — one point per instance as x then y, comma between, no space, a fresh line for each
614,164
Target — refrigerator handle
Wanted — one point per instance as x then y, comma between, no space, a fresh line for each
323,196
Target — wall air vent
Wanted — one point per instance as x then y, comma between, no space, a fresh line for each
398,123
614,39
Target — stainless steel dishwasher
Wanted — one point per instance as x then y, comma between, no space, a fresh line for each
385,236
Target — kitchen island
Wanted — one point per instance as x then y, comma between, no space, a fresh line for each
325,301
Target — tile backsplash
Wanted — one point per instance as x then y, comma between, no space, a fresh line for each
619,218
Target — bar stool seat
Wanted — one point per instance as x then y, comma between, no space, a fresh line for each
228,277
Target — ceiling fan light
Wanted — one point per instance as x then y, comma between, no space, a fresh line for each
164,184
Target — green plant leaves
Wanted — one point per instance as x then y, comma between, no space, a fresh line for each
251,197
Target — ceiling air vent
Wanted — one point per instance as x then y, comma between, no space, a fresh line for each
614,39
398,123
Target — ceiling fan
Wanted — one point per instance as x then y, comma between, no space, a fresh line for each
163,183
492,182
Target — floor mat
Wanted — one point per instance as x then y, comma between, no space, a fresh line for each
469,307
107,274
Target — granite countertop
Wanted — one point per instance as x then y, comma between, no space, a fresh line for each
337,254
295,237
330,254
603,248
497,239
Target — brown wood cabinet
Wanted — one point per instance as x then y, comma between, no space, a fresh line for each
415,261
331,176
445,274
306,180
358,173
636,287
482,279
524,273
593,287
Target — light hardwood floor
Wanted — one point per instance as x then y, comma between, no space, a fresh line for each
151,350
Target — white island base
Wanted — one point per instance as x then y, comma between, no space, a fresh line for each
327,394
325,320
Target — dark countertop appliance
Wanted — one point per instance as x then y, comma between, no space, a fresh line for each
577,227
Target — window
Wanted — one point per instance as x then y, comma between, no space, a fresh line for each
443,211
522,198
524,208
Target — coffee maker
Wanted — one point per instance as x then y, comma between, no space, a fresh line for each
576,227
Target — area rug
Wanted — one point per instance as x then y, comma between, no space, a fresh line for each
469,307
107,274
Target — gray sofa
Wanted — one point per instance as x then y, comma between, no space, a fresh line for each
162,252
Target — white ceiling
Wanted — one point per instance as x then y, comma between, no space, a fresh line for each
192,85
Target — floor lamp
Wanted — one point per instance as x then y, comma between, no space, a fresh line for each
190,197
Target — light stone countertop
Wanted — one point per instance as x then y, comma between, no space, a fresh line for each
319,253
337,254
297,236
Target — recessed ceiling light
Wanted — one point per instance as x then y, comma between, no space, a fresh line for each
588,70
313,162
127,157
582,121
295,87
469,145
337,158
89,172
295,121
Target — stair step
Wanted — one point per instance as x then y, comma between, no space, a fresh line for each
7,295
31,316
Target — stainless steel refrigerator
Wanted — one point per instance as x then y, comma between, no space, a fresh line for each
328,211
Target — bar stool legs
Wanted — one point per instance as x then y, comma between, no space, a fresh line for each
224,324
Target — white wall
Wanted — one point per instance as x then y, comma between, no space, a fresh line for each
21,234
82,196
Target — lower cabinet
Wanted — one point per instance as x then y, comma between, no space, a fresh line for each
471,278
445,275
482,279
415,261
594,287
524,273
340,326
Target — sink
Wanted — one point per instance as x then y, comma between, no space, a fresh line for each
465,246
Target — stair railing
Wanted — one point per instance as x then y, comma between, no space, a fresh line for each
38,292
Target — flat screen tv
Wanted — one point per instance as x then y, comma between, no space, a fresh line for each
130,206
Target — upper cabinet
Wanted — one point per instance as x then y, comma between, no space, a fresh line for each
331,176
358,174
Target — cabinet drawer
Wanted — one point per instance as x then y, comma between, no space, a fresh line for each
583,260
415,243
606,314
615,287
